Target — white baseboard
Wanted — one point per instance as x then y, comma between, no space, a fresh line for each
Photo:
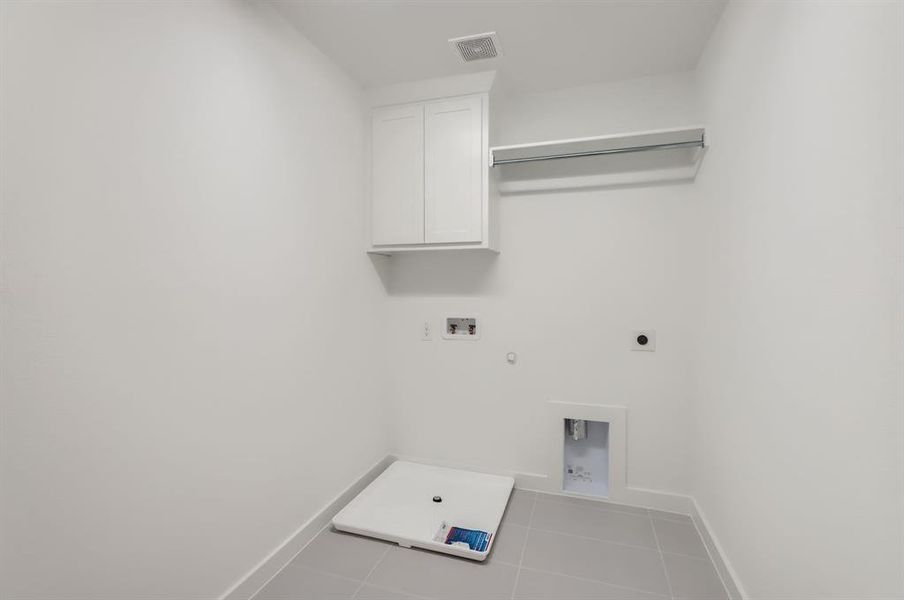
538,482
658,500
272,564
723,566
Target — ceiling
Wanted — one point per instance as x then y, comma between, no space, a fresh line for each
546,44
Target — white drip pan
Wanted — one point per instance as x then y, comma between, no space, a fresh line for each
399,506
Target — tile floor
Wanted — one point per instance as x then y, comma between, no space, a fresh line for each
548,547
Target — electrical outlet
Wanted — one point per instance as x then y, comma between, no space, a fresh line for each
644,340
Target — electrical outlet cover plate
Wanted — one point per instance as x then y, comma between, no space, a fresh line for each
638,335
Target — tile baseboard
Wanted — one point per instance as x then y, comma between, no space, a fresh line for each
246,587
723,566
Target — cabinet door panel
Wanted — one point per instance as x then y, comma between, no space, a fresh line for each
453,171
397,176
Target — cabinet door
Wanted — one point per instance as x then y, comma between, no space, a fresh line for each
453,202
397,175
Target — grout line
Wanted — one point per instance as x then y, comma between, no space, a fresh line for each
587,537
665,569
533,509
288,562
677,518
331,574
528,527
505,562
712,559
587,579
593,539
519,566
607,541
371,572
625,509
694,556
609,511
385,588
390,588
530,520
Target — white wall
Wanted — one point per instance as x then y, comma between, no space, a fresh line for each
798,453
578,271
191,333
189,369
622,106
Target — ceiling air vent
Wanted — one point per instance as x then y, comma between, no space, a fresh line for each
477,47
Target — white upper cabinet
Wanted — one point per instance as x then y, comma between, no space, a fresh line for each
454,171
397,182
429,179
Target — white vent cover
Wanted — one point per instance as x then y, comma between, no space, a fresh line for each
477,47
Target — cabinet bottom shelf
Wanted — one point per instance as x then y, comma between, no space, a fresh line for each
390,250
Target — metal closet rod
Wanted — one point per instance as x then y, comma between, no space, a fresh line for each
691,144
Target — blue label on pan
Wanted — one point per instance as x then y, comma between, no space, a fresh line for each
476,540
